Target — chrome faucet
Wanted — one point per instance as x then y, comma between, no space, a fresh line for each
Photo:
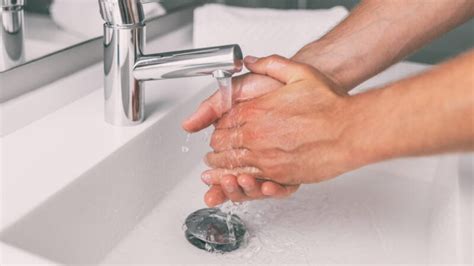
12,46
126,67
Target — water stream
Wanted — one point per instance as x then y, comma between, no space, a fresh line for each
217,230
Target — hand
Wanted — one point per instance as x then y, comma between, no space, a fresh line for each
245,87
239,188
293,135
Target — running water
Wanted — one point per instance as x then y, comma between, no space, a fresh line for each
225,87
217,230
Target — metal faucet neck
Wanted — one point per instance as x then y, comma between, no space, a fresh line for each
122,13
126,67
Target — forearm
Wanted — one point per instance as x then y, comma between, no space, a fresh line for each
379,33
426,114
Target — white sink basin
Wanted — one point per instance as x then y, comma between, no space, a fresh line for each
121,195
130,207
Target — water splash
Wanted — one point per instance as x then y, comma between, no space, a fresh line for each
185,148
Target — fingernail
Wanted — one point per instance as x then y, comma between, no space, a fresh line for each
250,59
206,178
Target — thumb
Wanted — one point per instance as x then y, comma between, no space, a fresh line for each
278,67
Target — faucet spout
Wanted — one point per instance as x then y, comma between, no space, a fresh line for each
189,63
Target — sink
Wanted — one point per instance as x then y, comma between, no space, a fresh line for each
129,205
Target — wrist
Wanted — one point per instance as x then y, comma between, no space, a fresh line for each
370,128
338,66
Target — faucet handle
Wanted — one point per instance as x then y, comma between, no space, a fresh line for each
122,12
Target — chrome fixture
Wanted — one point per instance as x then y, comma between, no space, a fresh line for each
12,40
126,67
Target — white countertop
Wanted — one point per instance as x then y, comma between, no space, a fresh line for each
43,157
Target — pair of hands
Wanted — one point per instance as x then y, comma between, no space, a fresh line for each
287,127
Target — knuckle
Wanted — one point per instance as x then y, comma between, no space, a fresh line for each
275,60
275,57
247,157
246,137
210,159
305,69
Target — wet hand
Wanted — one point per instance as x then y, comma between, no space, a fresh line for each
244,187
292,135
245,87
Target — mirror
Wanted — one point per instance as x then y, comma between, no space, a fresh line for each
31,29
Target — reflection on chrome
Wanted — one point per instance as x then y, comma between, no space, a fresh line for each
126,67
12,33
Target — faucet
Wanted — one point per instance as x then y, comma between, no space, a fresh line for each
126,67
12,46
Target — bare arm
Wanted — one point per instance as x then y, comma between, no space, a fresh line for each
374,36
426,114
379,33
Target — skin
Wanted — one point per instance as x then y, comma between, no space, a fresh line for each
345,57
309,131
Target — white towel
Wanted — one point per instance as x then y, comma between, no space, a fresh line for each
82,17
262,31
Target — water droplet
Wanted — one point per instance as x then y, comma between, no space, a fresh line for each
184,149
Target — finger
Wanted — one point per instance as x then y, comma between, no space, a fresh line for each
250,186
214,176
215,196
234,118
275,190
232,189
227,139
208,112
278,67
230,159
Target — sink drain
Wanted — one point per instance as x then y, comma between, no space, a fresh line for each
214,230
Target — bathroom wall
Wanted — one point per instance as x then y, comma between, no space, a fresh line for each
451,44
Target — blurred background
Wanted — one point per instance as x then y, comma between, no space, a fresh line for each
39,15
453,43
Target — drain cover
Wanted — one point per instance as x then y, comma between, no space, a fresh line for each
214,230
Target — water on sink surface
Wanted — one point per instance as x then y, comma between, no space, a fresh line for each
363,217
185,147
213,230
